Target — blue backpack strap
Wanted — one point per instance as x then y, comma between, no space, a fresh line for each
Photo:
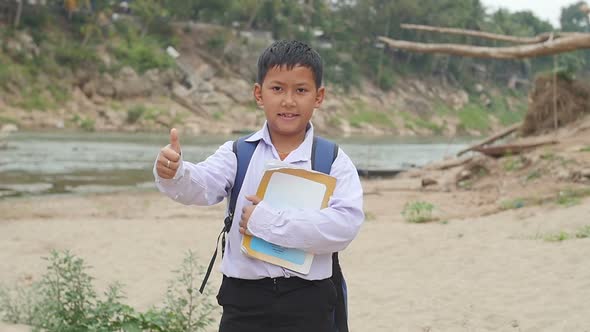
323,154
243,151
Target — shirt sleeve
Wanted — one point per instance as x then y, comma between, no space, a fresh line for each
204,183
320,232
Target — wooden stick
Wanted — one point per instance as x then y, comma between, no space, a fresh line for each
492,138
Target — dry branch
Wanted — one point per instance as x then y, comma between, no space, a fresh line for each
492,138
564,44
488,35
498,151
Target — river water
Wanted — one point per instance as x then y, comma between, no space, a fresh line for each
34,163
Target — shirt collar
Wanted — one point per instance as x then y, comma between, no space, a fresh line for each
302,153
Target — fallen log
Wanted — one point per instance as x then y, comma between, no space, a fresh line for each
491,139
498,151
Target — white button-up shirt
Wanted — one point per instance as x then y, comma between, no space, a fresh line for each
320,232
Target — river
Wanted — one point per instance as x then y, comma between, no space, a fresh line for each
34,163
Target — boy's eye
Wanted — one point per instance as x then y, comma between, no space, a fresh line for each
301,90
276,88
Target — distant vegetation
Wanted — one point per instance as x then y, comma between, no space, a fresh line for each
74,39
343,31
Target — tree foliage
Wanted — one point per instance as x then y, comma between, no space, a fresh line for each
344,32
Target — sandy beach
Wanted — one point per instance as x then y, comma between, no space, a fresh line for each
463,273
506,249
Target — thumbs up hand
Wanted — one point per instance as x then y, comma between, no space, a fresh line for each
169,157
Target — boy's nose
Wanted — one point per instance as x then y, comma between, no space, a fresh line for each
288,101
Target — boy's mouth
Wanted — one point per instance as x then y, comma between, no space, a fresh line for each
288,115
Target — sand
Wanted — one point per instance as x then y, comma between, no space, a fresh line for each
477,270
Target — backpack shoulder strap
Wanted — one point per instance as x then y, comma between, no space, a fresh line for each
243,151
323,154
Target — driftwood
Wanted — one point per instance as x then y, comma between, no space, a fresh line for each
498,151
542,45
492,139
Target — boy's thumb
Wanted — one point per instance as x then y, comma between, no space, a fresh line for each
174,143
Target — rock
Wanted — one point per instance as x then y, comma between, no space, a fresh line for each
127,73
104,86
132,87
585,173
238,90
459,99
9,128
204,87
205,72
464,175
428,182
89,88
479,88
564,174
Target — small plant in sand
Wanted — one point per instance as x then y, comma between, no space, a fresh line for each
585,149
418,212
582,233
557,237
64,300
571,197
516,203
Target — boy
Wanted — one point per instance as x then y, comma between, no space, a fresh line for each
255,295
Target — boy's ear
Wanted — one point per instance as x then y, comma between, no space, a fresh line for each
258,95
319,98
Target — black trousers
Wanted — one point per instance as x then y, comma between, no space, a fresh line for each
277,305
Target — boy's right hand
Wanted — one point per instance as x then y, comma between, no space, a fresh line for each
169,157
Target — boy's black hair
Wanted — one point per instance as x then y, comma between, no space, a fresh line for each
290,53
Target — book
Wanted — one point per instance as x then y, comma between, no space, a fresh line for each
283,188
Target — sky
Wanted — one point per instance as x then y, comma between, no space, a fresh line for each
544,9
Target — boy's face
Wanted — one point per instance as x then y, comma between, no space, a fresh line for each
288,98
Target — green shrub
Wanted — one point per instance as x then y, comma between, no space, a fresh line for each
370,117
34,100
142,55
87,124
135,113
6,119
64,300
59,93
418,212
472,116
76,56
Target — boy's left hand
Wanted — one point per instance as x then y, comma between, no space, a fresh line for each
247,212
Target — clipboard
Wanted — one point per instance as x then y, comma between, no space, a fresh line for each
284,188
